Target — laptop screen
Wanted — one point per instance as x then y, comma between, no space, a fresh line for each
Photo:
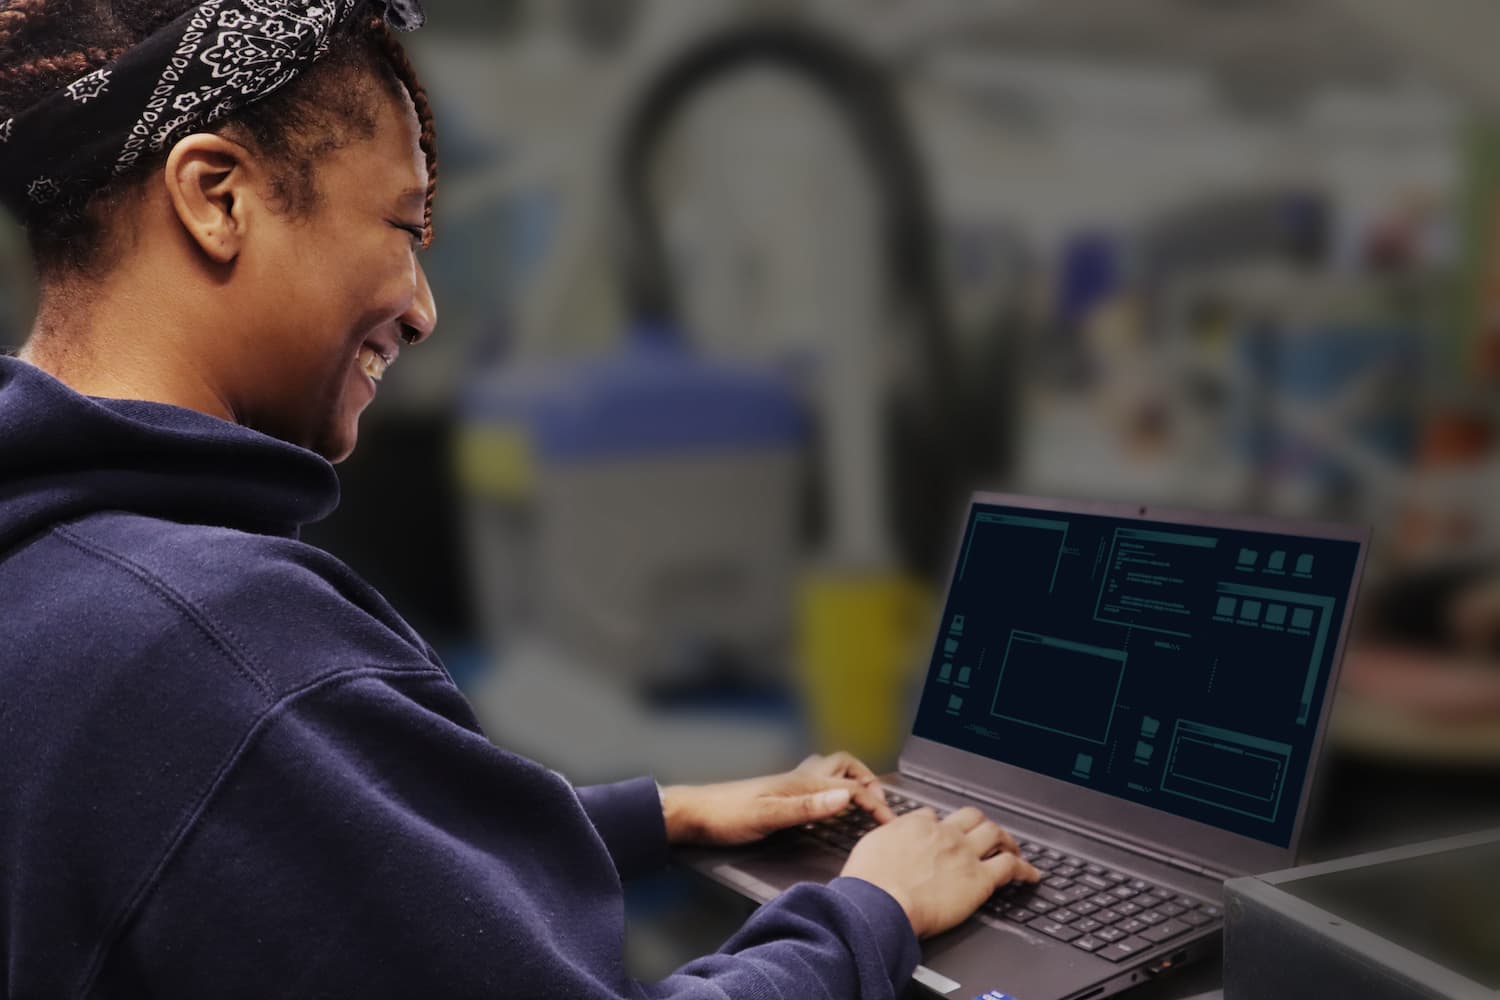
1180,667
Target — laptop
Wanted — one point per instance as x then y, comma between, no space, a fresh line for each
1139,694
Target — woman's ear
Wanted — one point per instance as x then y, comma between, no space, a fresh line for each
208,184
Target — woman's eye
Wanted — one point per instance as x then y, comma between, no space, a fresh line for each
417,233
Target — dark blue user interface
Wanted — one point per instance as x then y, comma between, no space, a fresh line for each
1181,667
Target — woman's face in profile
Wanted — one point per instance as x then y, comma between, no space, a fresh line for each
340,289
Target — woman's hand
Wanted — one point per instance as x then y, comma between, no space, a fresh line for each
740,812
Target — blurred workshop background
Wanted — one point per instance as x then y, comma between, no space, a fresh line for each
740,298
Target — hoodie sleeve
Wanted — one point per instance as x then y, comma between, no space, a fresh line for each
628,816
813,942
363,842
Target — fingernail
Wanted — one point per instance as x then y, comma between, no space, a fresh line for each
834,798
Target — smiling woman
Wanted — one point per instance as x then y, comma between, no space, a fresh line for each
228,767
264,170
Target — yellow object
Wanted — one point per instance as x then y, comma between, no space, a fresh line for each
861,637
495,462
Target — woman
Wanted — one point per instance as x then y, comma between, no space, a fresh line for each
227,767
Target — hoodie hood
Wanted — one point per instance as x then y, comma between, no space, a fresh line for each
64,455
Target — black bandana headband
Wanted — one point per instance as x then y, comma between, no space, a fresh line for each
216,58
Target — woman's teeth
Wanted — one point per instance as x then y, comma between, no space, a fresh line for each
372,364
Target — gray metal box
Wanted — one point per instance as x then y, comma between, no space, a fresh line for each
1414,922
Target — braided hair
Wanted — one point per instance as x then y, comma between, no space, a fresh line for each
47,44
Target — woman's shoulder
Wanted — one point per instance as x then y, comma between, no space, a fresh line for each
284,613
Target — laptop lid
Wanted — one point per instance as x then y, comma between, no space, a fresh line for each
1159,676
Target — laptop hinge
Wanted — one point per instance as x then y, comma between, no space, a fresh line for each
1057,819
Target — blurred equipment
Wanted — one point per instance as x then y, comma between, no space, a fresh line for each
918,438
648,511
643,507
1414,922
942,425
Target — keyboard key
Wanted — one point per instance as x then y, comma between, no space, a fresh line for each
1052,854
1169,909
1140,885
1127,909
1057,897
1020,915
1083,907
1086,924
1066,870
1195,918
1041,906
1057,882
1123,949
1150,917
1187,902
1124,892
1114,877
1108,934
1088,944
1161,932
1043,863
1052,929
1213,912
1108,916
1073,860
1094,881
1063,915
1165,895
1130,925
1103,899
1094,869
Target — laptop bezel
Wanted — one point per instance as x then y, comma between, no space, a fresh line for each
1112,818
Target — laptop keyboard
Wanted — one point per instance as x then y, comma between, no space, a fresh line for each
1078,902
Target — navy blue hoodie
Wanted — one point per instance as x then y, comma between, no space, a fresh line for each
229,769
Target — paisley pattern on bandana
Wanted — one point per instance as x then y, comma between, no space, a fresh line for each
218,57
89,87
248,49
